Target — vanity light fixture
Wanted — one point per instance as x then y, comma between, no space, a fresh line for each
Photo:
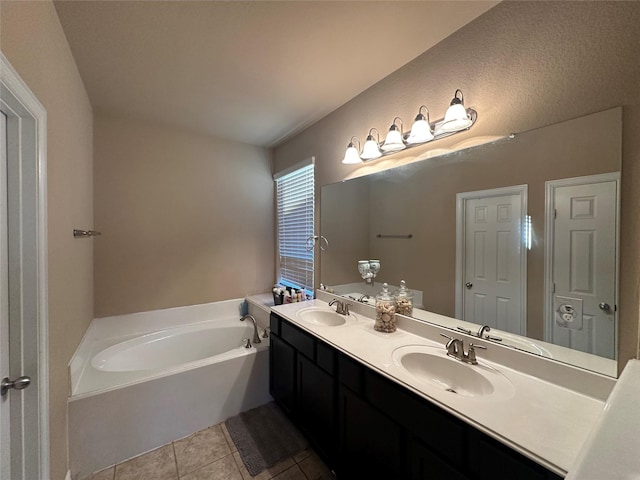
351,156
371,151
394,141
421,129
456,118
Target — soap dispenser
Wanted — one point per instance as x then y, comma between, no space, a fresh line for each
404,299
385,311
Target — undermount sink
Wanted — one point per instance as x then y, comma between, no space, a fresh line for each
324,317
432,365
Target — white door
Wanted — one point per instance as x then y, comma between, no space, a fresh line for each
585,267
493,272
24,439
5,405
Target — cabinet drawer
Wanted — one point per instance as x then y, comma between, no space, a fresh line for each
326,358
350,373
301,341
435,428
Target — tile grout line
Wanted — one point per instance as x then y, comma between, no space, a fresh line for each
175,459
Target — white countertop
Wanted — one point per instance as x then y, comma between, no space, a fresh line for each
541,420
613,447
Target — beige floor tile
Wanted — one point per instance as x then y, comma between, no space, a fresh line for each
106,474
223,469
159,464
228,437
298,457
200,449
268,473
314,468
293,473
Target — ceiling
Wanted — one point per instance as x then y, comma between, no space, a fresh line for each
256,72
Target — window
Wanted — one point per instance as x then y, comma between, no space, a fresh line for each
295,199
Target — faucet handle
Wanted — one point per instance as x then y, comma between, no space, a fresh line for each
266,332
247,343
471,353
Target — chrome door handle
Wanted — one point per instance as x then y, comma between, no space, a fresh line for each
468,285
17,384
605,306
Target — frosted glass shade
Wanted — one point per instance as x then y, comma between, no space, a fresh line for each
455,119
420,132
370,150
351,156
393,142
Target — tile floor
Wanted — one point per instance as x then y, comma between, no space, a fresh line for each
210,455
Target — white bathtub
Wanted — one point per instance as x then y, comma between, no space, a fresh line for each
142,380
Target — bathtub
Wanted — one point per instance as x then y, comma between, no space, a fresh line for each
142,380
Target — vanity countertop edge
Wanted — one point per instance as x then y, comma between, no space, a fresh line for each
546,422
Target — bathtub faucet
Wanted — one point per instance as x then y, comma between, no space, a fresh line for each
256,336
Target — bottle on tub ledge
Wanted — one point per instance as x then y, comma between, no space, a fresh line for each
385,311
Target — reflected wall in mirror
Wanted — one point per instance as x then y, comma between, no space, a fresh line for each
421,199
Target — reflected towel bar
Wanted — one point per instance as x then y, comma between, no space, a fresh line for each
85,233
380,235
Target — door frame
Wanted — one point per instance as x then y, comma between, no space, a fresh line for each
28,120
549,232
461,211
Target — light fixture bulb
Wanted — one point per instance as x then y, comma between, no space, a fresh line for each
370,151
351,156
393,142
421,130
456,117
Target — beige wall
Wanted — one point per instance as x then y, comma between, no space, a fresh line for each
522,65
33,41
185,218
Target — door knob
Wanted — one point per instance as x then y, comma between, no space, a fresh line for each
17,384
605,306
468,284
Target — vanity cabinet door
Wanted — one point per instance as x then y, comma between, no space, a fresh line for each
370,443
490,460
426,465
316,407
282,380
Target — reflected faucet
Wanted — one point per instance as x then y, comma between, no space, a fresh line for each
363,298
256,336
484,328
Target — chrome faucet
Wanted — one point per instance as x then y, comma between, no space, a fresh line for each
341,307
455,349
256,336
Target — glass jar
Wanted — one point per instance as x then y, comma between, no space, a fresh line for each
404,300
385,311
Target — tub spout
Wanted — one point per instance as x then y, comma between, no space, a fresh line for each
256,336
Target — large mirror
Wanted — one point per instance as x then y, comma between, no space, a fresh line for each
520,234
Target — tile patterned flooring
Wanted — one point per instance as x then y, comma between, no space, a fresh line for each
210,454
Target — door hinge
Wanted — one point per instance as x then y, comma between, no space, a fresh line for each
554,288
555,213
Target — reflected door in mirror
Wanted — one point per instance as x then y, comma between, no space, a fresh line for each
492,240
584,266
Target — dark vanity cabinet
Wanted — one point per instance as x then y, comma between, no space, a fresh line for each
365,425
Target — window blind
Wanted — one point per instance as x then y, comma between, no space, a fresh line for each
295,205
